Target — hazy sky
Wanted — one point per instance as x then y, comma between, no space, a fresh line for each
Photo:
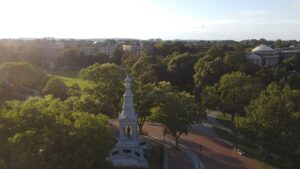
144,19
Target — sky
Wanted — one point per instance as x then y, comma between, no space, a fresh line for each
146,19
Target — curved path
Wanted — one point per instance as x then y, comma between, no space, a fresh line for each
215,154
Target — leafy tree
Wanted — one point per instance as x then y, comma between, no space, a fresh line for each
148,69
181,68
236,90
57,88
176,112
23,74
34,56
69,57
168,47
210,98
216,51
74,90
236,61
145,99
106,89
19,79
273,120
43,133
117,57
292,63
148,96
208,71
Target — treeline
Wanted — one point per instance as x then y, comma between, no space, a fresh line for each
20,80
46,133
265,99
173,85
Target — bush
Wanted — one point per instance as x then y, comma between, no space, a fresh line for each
57,88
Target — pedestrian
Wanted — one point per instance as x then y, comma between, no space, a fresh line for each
200,147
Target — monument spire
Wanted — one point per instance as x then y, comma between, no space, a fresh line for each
128,105
131,150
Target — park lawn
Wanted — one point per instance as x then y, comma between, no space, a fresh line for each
70,77
248,148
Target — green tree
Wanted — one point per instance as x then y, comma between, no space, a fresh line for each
23,74
68,57
176,111
43,133
18,79
106,89
210,98
181,68
145,99
292,63
236,90
208,71
176,114
34,56
57,88
148,69
74,90
273,120
117,57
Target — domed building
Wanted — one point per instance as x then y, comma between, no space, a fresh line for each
264,56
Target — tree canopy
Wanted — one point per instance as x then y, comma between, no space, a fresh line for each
43,133
273,119
57,88
105,92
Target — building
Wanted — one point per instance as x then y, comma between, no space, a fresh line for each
136,47
263,56
49,48
288,52
130,150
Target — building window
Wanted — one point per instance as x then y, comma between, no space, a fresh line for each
126,151
137,153
115,153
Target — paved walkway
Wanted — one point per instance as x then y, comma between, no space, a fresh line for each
211,120
170,147
215,154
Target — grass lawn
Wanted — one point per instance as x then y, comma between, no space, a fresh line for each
248,148
156,160
70,77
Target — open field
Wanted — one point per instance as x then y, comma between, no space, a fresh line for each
70,77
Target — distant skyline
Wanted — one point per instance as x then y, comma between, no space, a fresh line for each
147,19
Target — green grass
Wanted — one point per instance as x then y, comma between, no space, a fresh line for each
250,149
68,73
70,77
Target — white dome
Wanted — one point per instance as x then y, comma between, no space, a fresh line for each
263,48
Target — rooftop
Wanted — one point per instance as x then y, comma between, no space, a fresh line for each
263,48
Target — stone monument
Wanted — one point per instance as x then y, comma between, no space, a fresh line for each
130,150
